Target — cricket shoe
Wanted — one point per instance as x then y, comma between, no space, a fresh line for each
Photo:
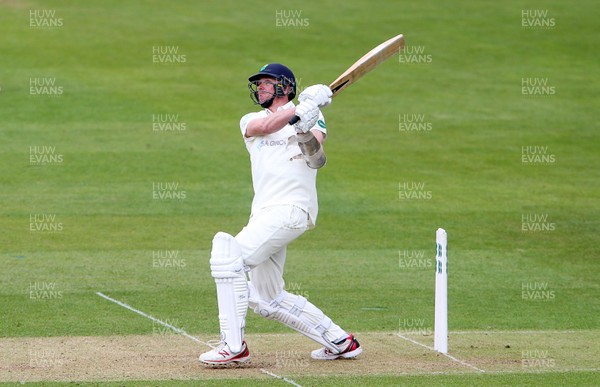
348,348
222,355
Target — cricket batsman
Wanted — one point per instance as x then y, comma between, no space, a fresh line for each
284,207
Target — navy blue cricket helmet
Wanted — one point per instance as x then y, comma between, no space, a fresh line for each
283,76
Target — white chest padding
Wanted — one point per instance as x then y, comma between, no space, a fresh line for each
227,268
299,314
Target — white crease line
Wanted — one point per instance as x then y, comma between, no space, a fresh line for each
175,329
184,333
445,354
264,371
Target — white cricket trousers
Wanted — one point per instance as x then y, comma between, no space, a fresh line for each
264,242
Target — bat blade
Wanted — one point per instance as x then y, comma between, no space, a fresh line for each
362,66
367,63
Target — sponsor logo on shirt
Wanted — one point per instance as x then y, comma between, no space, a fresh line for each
263,143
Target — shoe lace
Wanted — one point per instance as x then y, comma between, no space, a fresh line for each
216,344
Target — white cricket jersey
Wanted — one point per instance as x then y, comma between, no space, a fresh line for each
280,175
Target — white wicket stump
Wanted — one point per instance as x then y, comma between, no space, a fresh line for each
440,341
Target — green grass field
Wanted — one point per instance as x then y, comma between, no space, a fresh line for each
486,125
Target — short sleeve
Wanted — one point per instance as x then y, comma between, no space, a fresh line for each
245,120
320,125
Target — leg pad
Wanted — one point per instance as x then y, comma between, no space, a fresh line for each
297,313
227,268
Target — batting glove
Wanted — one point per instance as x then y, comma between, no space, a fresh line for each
308,112
320,94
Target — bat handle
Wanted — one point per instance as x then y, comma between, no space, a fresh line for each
293,120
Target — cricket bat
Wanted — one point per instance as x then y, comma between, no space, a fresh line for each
362,66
